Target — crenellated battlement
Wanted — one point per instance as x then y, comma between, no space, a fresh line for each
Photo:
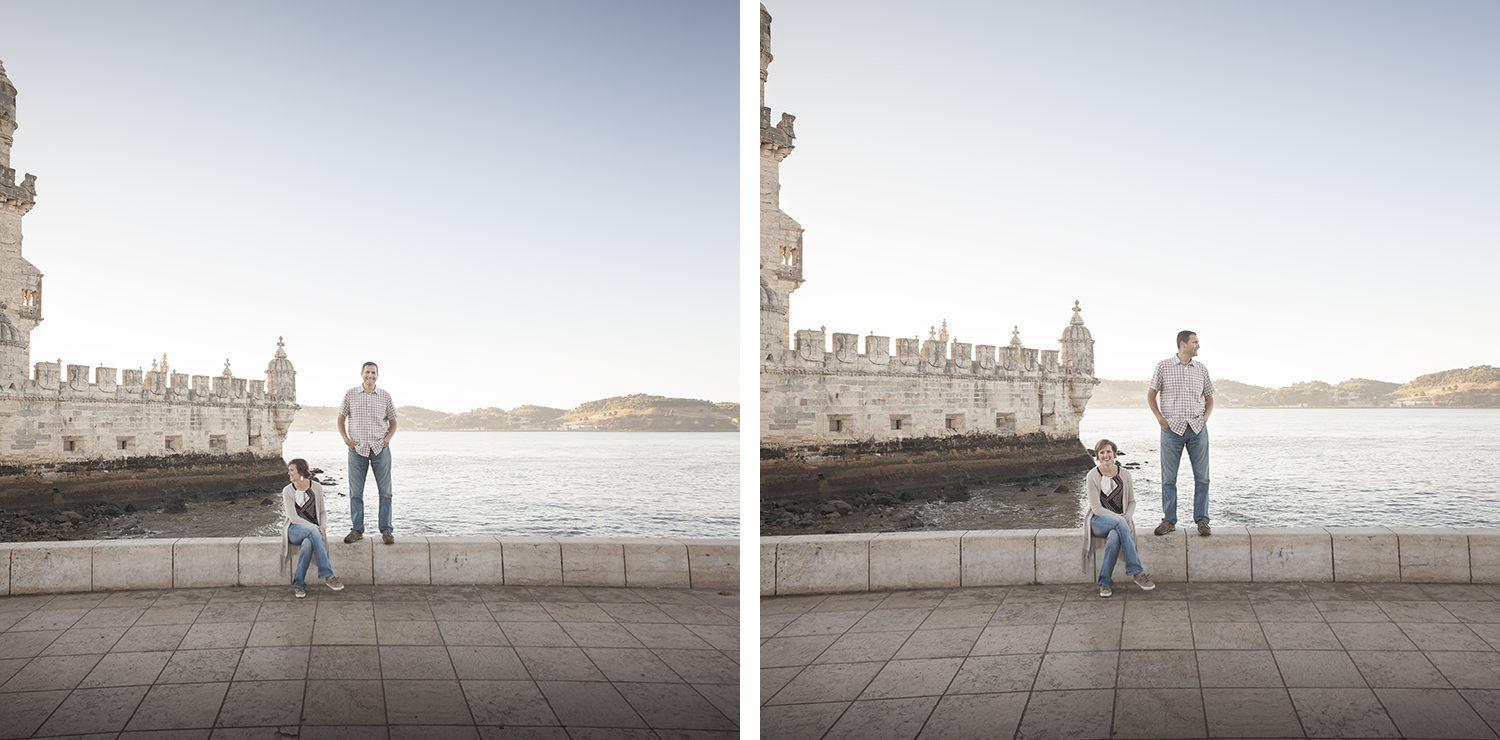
812,352
110,383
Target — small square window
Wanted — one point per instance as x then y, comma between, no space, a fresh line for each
835,425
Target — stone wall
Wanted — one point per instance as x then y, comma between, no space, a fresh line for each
916,560
111,565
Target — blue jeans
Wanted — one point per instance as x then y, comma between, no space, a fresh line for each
1171,456
312,544
358,466
1117,536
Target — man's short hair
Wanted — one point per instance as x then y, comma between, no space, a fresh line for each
369,364
1185,336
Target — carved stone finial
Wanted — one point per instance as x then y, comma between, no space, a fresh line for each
227,373
280,348
931,333
1015,336
153,366
943,335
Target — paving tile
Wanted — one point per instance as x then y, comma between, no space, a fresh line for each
1286,611
418,702
402,611
721,637
673,706
939,643
169,614
151,637
258,703
1468,670
902,678
1250,713
486,663
114,616
51,673
855,647
701,666
975,717
834,682
1432,713
990,674
975,615
416,662
299,610
597,634
1095,670
1300,636
1143,635
1158,669
883,719
1416,611
21,714
126,669
198,666
538,634
1068,715
1228,636
1159,713
1238,669
1012,639
272,663
575,612
1432,637
49,619
392,632
26,644
344,632
1221,611
779,652
1398,669
1481,612
631,664
1155,612
1456,592
461,611
800,721
228,611
1486,702
1086,636
812,623
343,701
282,633
177,706
646,613
1318,669
858,602
589,704
968,596
507,703
203,635
1328,712
1371,636
1351,611
891,620
343,661
1094,611
559,664
926,599
90,710
85,640
1026,613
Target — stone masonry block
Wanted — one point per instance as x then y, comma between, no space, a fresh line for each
1164,557
714,563
1060,557
354,564
1433,554
204,562
407,562
1290,554
532,561
997,557
1365,554
1222,557
656,563
1484,554
260,562
51,567
592,561
823,563
912,560
466,560
123,565
5,549
768,564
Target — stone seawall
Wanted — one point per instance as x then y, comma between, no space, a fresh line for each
916,560
921,463
138,480
113,565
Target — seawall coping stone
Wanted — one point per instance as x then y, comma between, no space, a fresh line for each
406,562
204,562
592,561
122,565
997,557
465,560
532,561
906,560
823,562
51,567
1289,554
1433,554
656,563
1365,554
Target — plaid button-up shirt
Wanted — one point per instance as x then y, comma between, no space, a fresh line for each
1180,392
369,414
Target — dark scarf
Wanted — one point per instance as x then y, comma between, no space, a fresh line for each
309,509
1115,500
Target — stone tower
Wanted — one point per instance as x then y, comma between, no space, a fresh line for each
281,378
20,281
780,236
1077,351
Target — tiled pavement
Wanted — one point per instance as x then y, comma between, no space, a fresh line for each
430,662
1200,660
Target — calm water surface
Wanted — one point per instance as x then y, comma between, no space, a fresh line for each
645,484
1286,468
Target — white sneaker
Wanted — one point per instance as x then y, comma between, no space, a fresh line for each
333,583
300,593
1105,591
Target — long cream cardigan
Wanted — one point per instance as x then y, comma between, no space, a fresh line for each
289,516
1095,486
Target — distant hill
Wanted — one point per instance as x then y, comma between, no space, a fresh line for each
633,413
1474,387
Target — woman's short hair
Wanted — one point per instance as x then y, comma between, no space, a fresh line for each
1097,446
301,466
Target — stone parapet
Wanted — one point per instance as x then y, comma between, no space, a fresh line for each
208,562
919,560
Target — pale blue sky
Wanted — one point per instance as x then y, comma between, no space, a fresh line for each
500,203
1310,186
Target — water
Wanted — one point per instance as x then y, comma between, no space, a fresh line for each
1285,468
666,484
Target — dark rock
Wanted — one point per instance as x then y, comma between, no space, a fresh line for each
840,506
129,508
175,506
266,502
1060,489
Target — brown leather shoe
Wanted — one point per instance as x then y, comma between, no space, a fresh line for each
1203,530
353,537
388,538
1164,527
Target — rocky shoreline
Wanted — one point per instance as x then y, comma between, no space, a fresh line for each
888,511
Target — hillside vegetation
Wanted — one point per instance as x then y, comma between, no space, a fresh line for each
1474,387
634,413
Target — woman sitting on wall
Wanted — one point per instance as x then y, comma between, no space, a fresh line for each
1111,494
302,509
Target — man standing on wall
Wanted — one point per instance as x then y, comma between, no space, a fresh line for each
1187,399
372,423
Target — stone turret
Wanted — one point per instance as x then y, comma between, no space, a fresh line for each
1077,351
20,281
281,378
780,235
13,351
